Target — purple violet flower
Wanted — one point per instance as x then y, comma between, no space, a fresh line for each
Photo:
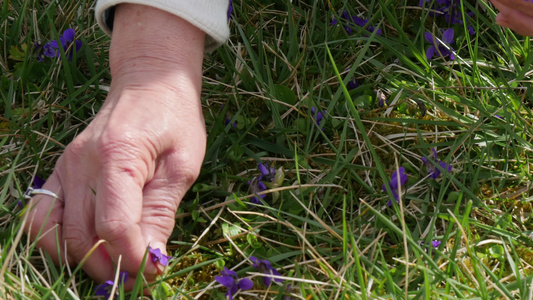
433,171
434,244
352,84
440,49
471,30
264,266
257,186
105,288
346,20
51,49
157,257
228,120
381,98
230,280
38,182
393,184
318,116
267,173
230,8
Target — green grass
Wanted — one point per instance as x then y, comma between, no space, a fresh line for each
325,225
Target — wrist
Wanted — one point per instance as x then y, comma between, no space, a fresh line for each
151,43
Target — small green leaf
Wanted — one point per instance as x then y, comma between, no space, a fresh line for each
201,187
300,126
279,176
453,197
16,54
362,101
220,263
195,214
235,152
230,230
497,252
252,241
284,94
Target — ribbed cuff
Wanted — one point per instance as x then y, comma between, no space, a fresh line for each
208,15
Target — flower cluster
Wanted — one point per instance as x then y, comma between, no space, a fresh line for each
157,257
393,184
230,280
257,184
105,288
68,43
433,171
348,21
450,11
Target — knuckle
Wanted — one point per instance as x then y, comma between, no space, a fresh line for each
188,167
123,155
111,147
74,152
189,176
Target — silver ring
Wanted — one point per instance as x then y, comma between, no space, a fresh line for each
30,192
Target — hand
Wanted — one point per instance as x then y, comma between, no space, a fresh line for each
516,15
123,177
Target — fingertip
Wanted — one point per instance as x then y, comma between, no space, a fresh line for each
502,20
159,245
160,265
516,21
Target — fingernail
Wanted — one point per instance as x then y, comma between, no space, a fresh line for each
158,257
160,246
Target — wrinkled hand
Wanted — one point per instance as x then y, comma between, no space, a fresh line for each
123,177
516,15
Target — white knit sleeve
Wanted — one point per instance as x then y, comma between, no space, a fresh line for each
208,15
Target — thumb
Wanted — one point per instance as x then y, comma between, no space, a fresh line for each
162,196
159,209
118,214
